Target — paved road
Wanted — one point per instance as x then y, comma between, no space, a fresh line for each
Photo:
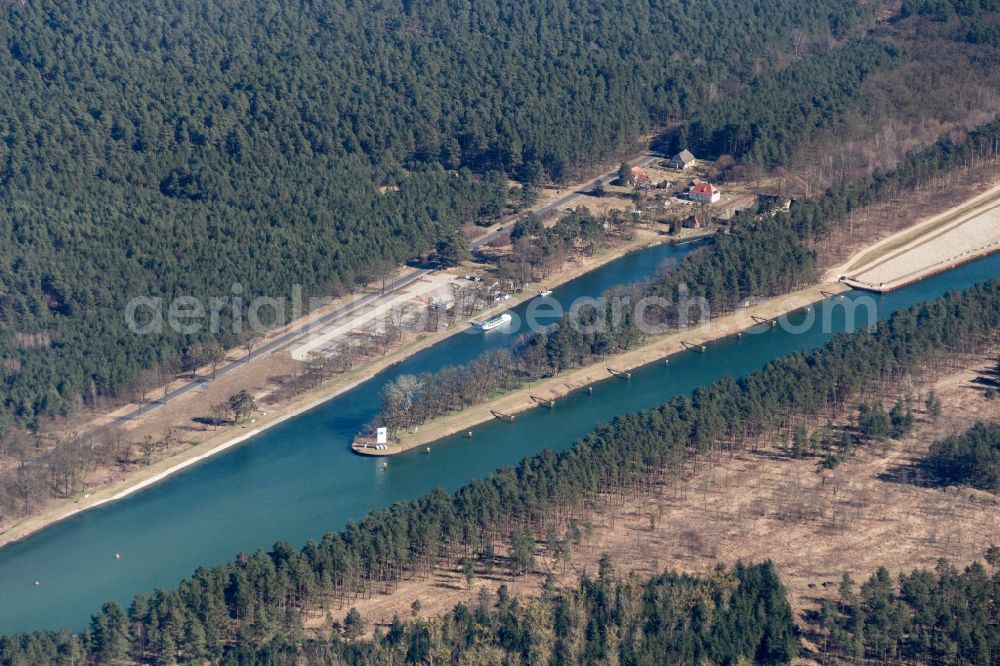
565,201
283,339
397,284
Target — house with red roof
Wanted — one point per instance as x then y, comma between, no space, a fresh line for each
639,177
704,193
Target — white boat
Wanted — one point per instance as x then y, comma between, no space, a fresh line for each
545,292
494,322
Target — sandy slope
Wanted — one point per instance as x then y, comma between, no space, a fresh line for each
956,236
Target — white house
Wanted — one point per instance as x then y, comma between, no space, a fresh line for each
704,193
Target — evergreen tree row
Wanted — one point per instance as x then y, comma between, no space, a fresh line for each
765,257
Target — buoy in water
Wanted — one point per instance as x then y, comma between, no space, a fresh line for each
118,556
37,583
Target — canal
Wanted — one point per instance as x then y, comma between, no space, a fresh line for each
299,479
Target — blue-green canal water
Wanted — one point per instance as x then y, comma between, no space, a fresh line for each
299,479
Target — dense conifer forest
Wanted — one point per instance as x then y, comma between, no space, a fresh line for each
735,616
926,617
945,10
184,147
257,597
769,120
970,22
971,458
